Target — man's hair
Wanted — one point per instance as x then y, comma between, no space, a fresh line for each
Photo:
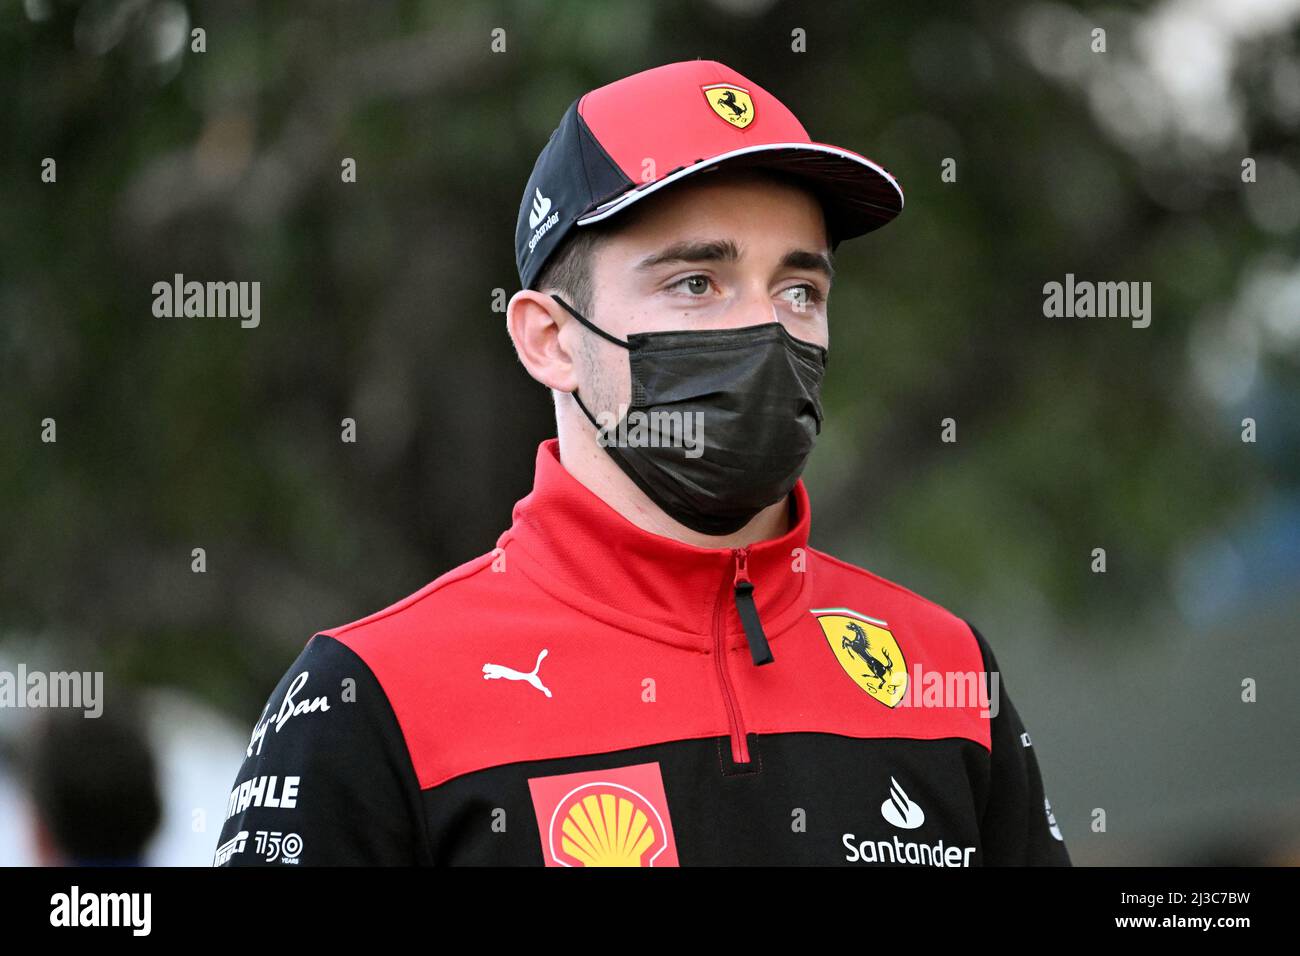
569,269
95,782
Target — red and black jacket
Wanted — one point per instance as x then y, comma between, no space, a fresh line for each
589,693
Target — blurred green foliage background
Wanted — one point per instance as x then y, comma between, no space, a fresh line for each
378,304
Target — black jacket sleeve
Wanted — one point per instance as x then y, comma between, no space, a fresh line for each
1018,827
327,778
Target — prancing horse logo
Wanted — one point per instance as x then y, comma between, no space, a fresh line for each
867,650
730,103
860,646
496,671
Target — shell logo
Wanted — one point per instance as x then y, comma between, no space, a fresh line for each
615,817
603,824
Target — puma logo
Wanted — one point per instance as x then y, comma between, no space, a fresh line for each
497,671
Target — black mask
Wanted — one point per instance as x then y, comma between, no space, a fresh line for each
729,419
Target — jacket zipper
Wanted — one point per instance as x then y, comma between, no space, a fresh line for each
742,591
743,594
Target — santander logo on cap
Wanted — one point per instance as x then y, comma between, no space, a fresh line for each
541,206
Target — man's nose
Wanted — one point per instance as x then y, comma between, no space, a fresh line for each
754,307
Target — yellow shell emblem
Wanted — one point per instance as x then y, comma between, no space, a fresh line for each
608,828
868,652
732,103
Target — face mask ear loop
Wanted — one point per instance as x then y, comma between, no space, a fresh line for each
583,319
603,334
594,424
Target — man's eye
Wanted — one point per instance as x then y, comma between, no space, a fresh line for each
698,278
811,295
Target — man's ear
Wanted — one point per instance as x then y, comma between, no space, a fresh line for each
533,321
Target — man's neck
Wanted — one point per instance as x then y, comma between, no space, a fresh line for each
597,471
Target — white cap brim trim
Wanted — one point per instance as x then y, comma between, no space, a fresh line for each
626,199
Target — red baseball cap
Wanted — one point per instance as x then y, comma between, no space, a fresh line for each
622,142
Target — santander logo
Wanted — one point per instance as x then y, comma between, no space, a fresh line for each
899,810
538,220
541,206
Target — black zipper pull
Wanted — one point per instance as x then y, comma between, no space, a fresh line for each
748,610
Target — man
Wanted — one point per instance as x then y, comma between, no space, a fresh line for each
653,667
92,786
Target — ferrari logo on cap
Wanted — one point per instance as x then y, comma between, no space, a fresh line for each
731,103
868,652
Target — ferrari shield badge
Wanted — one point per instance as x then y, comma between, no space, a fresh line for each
731,103
868,652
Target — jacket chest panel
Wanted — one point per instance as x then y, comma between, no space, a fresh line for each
814,799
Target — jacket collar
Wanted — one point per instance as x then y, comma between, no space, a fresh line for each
579,549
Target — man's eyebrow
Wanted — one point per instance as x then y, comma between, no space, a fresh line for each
725,250
692,250
803,259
